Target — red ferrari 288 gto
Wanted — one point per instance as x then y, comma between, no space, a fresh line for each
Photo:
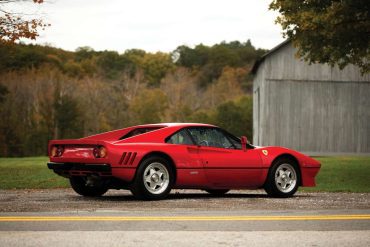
152,159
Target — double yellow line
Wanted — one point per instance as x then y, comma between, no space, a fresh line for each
185,218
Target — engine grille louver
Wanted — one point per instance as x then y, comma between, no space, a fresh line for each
127,158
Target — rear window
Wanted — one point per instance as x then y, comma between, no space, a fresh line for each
139,131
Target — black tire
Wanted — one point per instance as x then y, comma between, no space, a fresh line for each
148,183
218,192
78,184
284,172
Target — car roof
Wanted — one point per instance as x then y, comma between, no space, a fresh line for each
117,134
159,135
173,125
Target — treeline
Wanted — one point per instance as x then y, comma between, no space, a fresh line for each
48,93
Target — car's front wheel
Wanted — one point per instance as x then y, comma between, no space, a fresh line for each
154,179
81,186
283,178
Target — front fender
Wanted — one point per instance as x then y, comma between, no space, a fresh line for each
308,166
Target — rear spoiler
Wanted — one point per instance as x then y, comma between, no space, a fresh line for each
76,142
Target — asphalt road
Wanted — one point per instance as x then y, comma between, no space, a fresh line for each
186,218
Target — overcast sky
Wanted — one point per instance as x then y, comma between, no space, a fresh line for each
155,25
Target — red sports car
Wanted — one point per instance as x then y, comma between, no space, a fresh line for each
152,159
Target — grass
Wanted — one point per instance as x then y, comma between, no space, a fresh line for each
337,174
28,173
343,174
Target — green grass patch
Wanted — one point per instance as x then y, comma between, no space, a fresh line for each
29,173
342,174
337,174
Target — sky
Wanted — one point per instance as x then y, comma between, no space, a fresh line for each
153,25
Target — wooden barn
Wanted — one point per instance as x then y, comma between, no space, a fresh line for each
316,109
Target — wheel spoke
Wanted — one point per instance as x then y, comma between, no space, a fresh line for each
160,176
281,172
284,184
148,179
153,185
159,184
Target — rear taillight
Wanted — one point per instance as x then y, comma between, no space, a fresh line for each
100,152
56,151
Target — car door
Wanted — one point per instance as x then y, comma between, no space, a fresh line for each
225,164
189,166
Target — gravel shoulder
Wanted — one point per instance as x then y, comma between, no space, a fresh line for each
53,200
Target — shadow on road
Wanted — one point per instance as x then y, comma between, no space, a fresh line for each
189,196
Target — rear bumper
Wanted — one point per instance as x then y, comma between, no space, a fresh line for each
80,169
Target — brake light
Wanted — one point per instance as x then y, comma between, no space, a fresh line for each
56,151
100,152
103,152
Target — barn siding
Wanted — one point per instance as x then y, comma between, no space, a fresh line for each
283,65
311,108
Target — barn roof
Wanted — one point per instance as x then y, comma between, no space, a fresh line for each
264,56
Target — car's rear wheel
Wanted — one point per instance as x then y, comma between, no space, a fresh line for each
283,178
154,179
81,186
218,192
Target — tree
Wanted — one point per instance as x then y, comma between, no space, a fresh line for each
14,27
227,86
3,92
328,31
189,57
149,106
210,61
68,121
49,93
156,66
236,116
111,64
83,53
182,94
202,116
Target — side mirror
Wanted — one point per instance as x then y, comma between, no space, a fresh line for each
244,142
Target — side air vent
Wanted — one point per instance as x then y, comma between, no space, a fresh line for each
127,158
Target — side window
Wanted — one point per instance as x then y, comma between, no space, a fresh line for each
210,137
180,137
234,140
